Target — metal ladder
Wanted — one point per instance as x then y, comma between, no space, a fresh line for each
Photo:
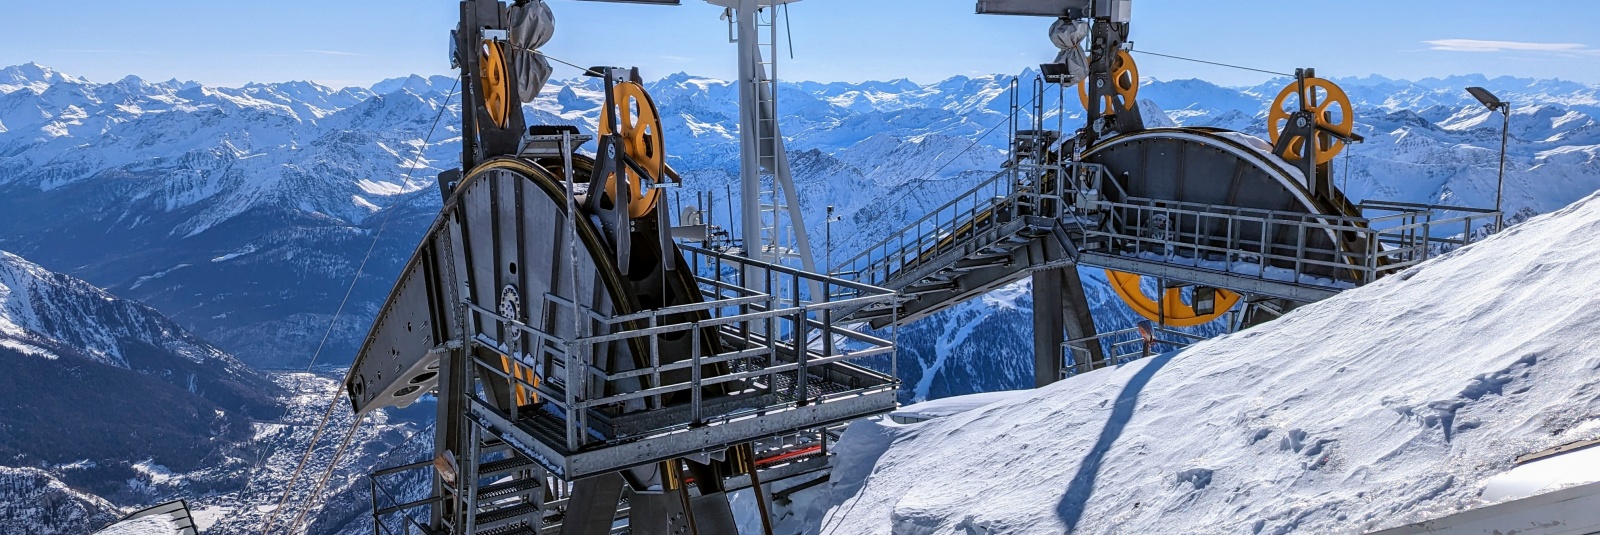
777,239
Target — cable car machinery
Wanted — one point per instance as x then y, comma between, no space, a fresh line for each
1188,222
593,375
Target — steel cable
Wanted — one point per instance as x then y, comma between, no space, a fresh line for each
334,400
1231,66
323,482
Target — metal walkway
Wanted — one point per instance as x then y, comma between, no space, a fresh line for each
1040,216
1011,225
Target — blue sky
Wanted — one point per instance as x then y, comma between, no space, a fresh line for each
358,42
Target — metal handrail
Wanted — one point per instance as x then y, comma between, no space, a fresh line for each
738,305
1173,338
1407,242
974,209
985,189
394,505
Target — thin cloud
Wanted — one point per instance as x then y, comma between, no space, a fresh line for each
334,53
98,51
1476,45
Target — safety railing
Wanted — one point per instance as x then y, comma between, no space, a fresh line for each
1029,185
933,233
1313,250
1306,249
1122,347
780,351
1424,231
393,514
1027,189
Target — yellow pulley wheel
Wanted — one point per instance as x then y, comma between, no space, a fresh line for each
1124,81
496,83
1327,102
639,126
523,395
1174,312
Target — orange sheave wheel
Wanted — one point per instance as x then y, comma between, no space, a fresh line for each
1172,310
640,128
1327,102
496,83
1124,79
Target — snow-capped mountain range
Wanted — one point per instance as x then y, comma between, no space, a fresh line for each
111,406
243,213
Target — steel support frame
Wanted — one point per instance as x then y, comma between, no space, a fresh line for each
1061,312
753,115
1205,277
601,459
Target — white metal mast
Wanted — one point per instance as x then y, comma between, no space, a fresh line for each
772,227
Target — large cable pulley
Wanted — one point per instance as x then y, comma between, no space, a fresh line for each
638,124
1312,108
1124,81
1170,309
495,82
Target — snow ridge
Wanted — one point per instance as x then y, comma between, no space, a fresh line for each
44,313
1389,404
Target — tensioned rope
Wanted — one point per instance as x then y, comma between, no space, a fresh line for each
323,481
333,402
586,70
1231,66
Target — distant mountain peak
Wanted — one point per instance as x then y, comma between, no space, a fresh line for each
415,84
33,75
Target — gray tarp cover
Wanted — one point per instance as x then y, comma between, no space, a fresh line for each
532,25
1068,35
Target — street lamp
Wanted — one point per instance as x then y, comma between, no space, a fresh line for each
1495,104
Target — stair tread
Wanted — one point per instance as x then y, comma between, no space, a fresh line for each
503,465
509,513
510,530
506,488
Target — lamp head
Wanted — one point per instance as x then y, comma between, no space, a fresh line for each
1488,99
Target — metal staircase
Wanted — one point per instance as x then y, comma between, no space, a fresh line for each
506,489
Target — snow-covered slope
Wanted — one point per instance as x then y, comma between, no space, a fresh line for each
35,502
104,399
44,313
50,316
1388,404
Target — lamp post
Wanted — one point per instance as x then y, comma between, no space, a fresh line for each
1495,104
828,237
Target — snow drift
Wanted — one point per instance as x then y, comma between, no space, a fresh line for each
1386,405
